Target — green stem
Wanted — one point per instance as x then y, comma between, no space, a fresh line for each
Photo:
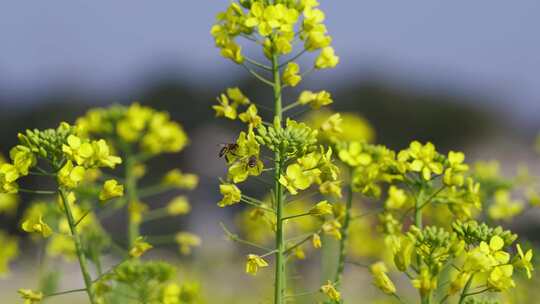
44,192
156,214
64,292
78,246
296,216
465,289
344,236
279,287
418,222
131,190
425,298
235,238
291,106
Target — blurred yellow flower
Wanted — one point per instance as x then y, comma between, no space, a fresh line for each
186,241
178,206
139,248
111,189
254,262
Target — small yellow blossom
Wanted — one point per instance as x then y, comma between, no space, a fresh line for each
8,175
171,294
70,176
103,156
178,206
504,208
524,261
163,135
254,262
290,75
8,203
236,95
111,189
331,188
322,208
333,124
315,100
403,249
425,282
139,248
316,240
231,195
251,117
30,296
224,108
35,224
136,210
233,51
178,179
500,278
396,198
332,228
381,279
297,179
453,175
330,291
354,155
327,59
23,159
186,241
422,159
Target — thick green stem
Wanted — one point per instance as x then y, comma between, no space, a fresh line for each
344,236
131,190
279,287
78,246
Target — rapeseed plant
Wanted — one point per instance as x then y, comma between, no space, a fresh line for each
67,219
288,150
478,259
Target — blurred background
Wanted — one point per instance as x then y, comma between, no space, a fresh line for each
461,74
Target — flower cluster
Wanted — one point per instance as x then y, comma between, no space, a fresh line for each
275,26
421,180
69,154
140,133
152,131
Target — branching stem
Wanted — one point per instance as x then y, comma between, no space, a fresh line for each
78,246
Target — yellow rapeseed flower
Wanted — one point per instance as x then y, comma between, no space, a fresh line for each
35,224
178,206
187,240
291,74
30,296
231,195
111,189
139,248
330,291
381,279
322,208
327,59
254,262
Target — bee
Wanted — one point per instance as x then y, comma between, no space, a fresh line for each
228,148
252,161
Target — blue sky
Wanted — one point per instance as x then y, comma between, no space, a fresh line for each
485,47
